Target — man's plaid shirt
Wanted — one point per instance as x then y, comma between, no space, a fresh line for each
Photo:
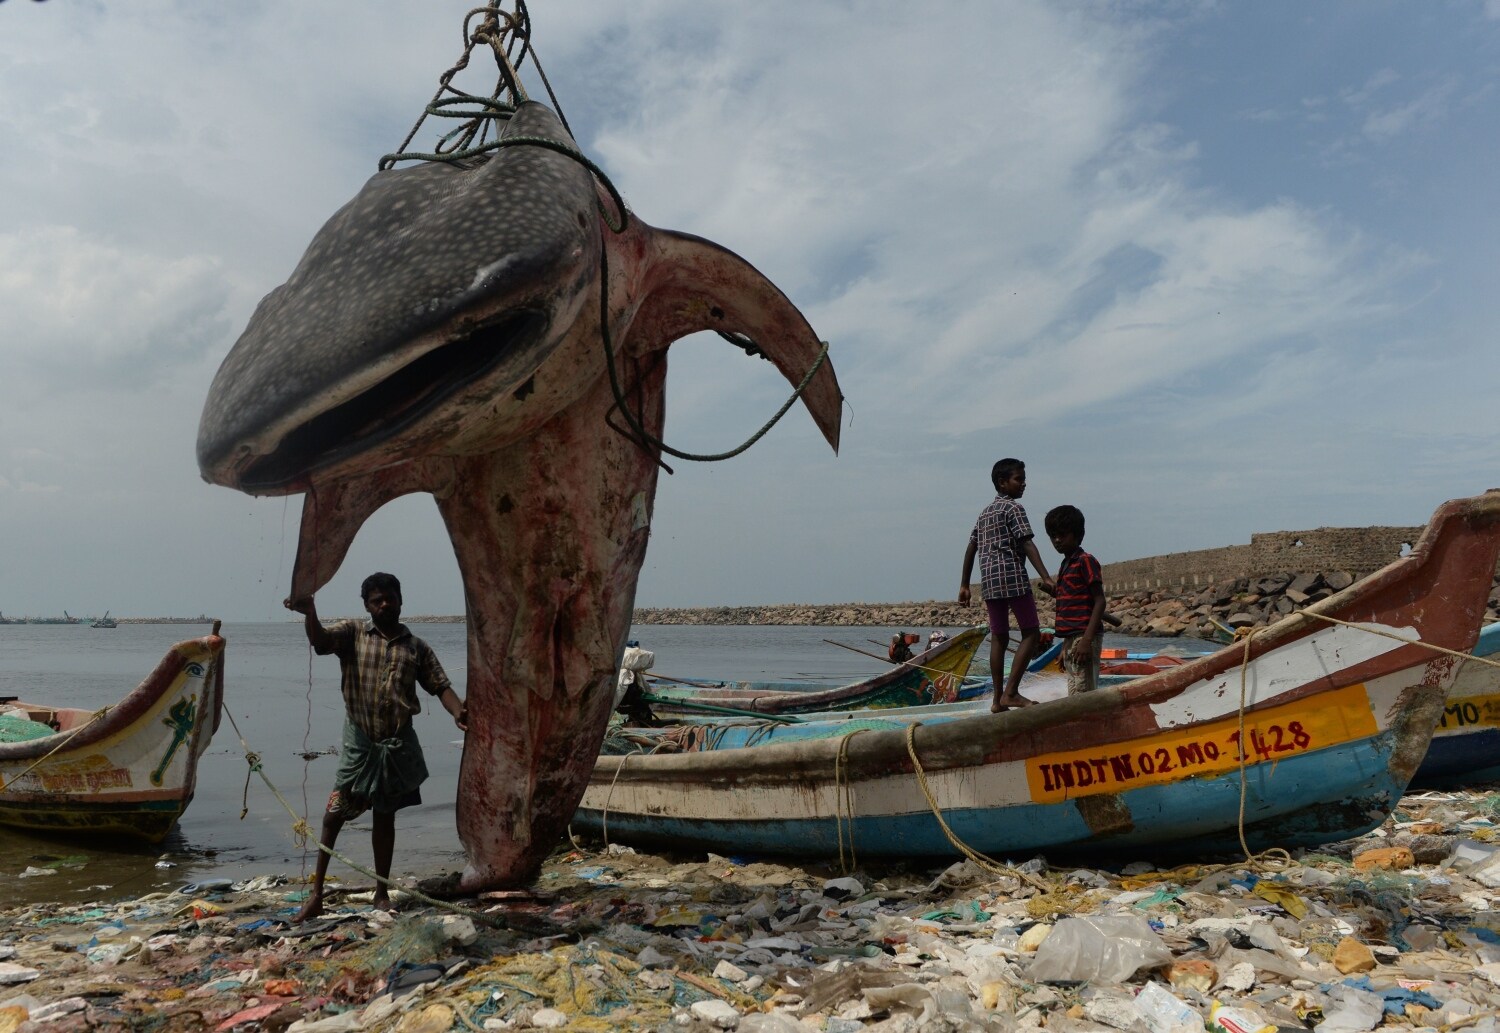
380,675
1000,536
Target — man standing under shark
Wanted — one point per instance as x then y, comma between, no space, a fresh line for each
381,767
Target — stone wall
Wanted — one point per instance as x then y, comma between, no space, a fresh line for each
1359,550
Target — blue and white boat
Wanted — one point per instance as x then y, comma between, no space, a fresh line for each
1466,745
1322,727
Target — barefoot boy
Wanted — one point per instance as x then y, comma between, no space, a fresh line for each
380,766
1002,539
1080,599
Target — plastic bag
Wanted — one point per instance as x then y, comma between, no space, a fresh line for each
1164,1012
1351,1011
1110,948
637,659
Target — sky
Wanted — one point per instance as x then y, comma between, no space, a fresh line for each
1210,269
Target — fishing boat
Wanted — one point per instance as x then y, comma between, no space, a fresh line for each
105,622
934,676
1320,721
129,768
1466,745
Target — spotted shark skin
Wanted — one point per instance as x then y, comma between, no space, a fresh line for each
442,333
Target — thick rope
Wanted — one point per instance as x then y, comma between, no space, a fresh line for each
1275,858
604,815
479,113
843,800
644,438
304,833
1400,638
984,861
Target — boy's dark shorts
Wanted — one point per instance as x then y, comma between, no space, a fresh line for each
999,611
344,804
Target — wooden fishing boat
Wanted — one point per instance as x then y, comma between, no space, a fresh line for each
934,676
129,768
1335,707
1466,745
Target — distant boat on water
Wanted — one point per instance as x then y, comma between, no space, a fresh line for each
66,618
105,622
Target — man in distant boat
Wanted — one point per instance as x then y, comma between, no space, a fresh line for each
381,768
900,648
1002,540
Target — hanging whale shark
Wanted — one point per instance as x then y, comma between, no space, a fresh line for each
444,332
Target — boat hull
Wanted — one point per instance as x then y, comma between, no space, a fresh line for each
1465,747
935,676
132,769
1336,716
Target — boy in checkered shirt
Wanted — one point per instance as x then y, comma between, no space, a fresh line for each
1002,540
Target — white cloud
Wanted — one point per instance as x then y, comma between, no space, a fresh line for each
984,207
1423,111
81,311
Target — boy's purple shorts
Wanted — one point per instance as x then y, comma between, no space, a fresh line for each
999,611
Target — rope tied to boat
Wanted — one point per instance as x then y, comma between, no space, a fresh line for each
6,787
304,833
1434,647
253,759
984,861
843,800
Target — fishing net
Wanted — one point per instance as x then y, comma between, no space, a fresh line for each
20,729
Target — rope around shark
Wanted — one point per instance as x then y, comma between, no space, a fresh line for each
471,142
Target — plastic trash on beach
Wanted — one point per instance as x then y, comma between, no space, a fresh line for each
1164,1012
1104,948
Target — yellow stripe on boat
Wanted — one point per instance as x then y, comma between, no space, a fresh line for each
1328,719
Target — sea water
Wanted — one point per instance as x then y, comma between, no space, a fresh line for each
286,703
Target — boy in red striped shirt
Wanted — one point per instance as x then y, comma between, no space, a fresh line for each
1079,591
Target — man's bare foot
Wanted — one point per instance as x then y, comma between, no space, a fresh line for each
382,902
1015,702
311,908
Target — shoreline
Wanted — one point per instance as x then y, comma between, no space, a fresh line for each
610,936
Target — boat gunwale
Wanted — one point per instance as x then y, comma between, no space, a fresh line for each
971,741
129,709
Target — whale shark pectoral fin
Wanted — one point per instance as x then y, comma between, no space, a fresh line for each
696,285
333,513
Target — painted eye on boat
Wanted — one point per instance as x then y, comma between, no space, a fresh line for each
195,670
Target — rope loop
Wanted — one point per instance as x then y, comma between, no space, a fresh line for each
508,35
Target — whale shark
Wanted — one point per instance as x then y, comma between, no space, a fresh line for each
485,331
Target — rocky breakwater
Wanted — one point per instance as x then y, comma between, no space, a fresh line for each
1247,602
934,613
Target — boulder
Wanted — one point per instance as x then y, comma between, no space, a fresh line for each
1241,619
1338,580
1305,583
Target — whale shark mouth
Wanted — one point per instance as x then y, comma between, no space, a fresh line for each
396,403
